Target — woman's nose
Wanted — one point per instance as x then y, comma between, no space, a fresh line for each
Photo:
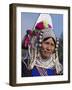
48,47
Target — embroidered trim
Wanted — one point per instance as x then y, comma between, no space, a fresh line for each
42,71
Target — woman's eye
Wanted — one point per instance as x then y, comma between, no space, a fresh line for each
46,42
52,44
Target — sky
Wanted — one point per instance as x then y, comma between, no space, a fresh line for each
28,21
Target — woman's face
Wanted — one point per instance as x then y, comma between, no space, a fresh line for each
47,48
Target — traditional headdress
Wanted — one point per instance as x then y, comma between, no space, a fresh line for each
43,29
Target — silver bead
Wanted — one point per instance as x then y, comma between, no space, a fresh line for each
57,42
41,33
57,45
39,45
56,49
40,40
40,36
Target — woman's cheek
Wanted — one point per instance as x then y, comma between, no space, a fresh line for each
53,48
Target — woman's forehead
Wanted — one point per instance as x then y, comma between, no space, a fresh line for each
49,40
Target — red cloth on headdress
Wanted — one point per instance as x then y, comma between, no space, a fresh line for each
39,26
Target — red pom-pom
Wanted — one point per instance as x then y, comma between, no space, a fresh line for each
39,26
29,32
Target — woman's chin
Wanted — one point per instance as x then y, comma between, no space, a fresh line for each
46,56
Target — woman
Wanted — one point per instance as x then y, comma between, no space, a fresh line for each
42,56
